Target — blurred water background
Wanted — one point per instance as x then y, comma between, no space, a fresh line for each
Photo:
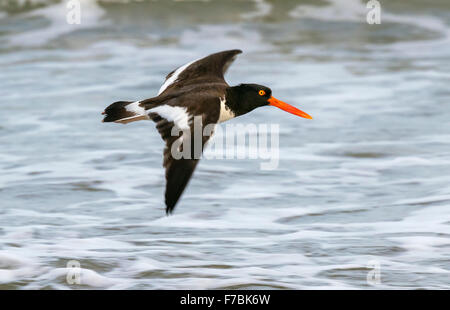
366,182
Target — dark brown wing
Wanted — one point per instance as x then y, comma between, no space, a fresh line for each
210,69
179,170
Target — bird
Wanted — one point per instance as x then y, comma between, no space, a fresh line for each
195,90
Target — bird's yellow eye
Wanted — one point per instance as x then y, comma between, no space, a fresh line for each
262,93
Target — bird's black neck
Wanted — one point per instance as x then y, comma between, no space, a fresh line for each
232,99
236,100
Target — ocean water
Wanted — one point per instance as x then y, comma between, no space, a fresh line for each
363,188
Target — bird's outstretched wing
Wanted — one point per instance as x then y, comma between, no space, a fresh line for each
210,69
176,124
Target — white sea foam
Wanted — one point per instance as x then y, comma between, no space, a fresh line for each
262,8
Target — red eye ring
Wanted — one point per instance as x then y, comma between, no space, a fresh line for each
262,93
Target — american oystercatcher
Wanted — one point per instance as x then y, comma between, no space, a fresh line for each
196,90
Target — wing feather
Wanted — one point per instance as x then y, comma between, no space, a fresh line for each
178,171
210,69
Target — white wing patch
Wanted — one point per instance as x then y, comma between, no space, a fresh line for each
225,112
173,78
178,115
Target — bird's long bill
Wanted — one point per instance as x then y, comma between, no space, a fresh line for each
288,108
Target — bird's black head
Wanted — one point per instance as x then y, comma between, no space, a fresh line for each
247,97
244,98
253,96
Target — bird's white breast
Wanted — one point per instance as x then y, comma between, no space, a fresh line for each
225,112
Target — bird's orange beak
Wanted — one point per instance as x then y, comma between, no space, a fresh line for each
287,107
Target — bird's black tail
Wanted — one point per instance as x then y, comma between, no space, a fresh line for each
124,112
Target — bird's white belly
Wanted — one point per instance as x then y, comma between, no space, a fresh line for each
225,112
